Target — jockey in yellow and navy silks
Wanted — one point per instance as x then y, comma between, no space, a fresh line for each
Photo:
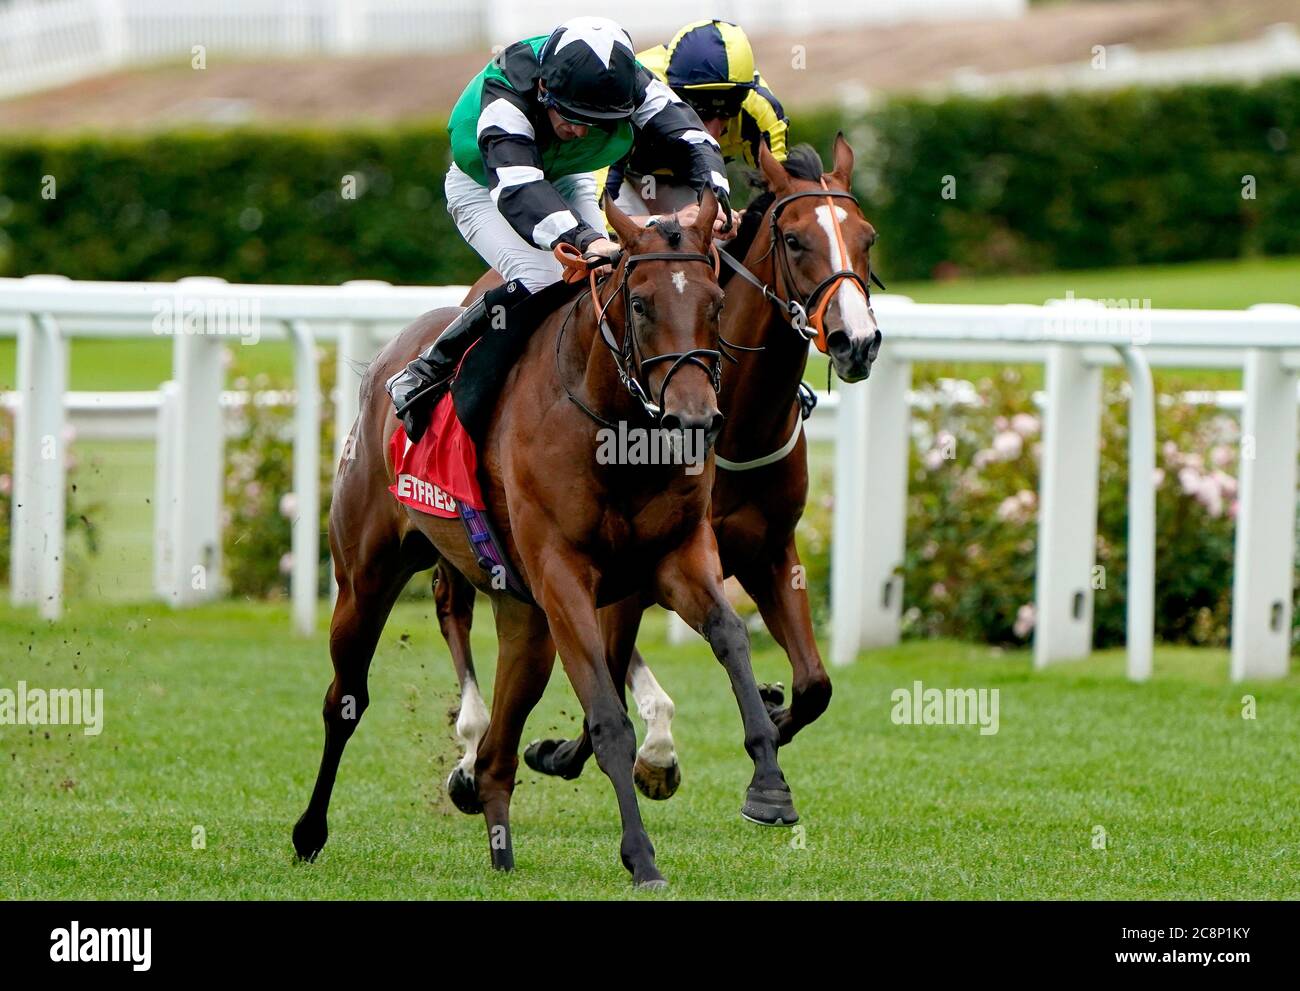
710,65
527,134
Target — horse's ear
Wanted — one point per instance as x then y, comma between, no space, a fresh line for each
843,171
773,171
708,214
626,229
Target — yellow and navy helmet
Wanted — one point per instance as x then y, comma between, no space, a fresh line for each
711,67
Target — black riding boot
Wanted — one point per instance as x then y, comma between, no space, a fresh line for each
417,388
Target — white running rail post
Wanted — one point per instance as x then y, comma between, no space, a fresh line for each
198,443
1141,626
40,473
883,507
1067,509
306,478
164,499
1264,555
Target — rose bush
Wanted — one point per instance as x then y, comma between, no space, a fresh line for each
259,503
972,513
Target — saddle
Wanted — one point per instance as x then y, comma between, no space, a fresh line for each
482,371
440,474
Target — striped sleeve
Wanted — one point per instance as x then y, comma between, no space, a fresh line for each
763,117
664,116
516,182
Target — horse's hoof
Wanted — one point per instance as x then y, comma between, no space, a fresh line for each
652,884
770,807
773,696
463,792
308,838
544,757
657,783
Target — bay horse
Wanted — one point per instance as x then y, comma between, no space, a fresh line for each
807,275
581,534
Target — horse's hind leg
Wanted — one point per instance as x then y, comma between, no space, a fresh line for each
657,773
453,598
367,590
524,661
784,608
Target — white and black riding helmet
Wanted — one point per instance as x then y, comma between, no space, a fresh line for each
589,69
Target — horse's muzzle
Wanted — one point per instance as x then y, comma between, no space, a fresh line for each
851,357
707,424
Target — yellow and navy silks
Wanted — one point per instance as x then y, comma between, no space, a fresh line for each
709,55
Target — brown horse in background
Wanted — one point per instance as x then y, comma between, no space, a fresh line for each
755,508
581,534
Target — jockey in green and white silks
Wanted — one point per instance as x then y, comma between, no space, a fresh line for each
526,135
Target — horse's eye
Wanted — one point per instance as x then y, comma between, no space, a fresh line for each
792,242
638,307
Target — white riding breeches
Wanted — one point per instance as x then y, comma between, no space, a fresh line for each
490,234
668,198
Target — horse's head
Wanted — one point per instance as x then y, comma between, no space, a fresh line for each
822,245
671,303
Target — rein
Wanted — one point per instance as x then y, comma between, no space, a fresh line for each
796,310
628,360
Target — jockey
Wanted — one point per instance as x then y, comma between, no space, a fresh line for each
710,65
527,134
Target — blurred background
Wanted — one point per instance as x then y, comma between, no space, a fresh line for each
1134,149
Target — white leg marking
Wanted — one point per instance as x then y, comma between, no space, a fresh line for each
859,324
656,709
471,724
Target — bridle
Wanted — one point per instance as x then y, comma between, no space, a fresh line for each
630,363
806,313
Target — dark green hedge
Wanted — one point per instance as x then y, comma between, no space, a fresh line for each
1041,182
249,206
1082,181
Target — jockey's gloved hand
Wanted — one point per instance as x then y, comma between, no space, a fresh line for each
724,209
601,248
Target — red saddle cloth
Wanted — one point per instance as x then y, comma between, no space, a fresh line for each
439,470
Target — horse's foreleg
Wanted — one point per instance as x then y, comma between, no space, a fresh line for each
567,592
783,601
656,771
366,596
524,660
690,583
453,598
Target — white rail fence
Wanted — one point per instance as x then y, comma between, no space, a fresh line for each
869,424
47,43
1276,52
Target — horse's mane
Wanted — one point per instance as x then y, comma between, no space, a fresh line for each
802,162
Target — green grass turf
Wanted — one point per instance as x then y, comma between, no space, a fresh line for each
212,719
115,490
1217,285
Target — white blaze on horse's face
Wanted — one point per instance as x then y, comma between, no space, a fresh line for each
679,281
859,324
